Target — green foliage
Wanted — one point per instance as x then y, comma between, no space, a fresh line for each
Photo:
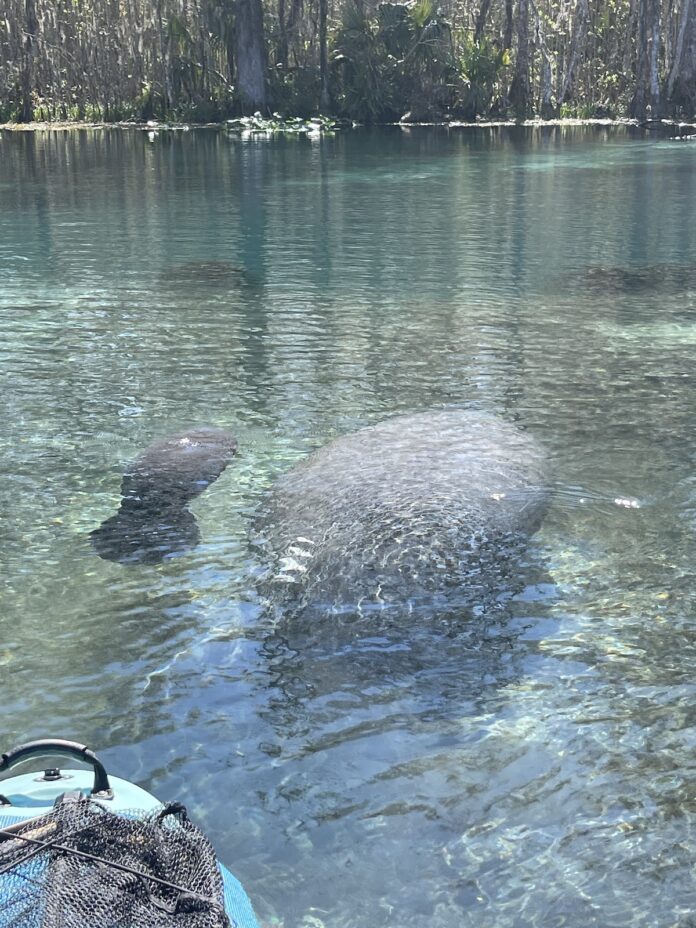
431,34
399,60
11,107
421,12
295,90
426,71
173,60
180,39
201,107
362,68
395,28
481,66
149,104
578,110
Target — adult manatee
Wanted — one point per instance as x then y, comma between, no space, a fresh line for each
414,507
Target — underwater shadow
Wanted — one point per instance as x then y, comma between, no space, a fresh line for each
615,280
213,276
445,657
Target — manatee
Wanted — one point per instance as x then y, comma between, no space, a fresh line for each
409,509
153,519
419,506
207,275
663,278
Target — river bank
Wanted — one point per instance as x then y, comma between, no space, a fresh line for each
264,126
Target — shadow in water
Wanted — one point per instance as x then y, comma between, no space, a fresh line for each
614,280
331,674
222,276
340,743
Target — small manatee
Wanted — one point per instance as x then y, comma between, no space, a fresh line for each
153,520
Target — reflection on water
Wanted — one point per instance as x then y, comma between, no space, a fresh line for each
533,766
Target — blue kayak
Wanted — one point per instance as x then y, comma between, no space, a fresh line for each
57,824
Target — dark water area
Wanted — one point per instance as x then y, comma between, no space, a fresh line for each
531,764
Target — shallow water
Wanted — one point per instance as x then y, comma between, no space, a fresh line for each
531,766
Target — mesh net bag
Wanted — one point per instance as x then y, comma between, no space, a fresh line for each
81,866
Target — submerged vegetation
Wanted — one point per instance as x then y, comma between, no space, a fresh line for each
209,60
258,124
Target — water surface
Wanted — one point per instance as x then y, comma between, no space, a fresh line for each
532,765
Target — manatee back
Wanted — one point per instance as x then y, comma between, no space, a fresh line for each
418,503
174,470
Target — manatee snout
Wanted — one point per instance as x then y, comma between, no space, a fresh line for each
153,520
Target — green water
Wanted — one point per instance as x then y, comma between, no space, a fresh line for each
531,767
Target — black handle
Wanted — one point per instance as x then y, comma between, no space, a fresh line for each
48,746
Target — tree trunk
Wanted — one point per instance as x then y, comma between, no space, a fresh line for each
519,89
481,18
548,109
654,77
647,92
507,36
165,59
577,42
324,101
681,86
27,77
292,26
282,45
250,56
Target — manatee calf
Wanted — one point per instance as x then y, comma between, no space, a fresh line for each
153,519
414,507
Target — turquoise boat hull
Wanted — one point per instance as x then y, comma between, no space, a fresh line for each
29,795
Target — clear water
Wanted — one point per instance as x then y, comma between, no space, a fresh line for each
535,767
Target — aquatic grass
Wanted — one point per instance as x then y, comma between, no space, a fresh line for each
279,125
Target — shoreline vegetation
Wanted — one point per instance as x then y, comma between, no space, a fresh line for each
261,126
367,61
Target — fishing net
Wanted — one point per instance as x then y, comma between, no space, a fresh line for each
81,866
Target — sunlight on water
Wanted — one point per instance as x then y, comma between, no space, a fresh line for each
530,766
